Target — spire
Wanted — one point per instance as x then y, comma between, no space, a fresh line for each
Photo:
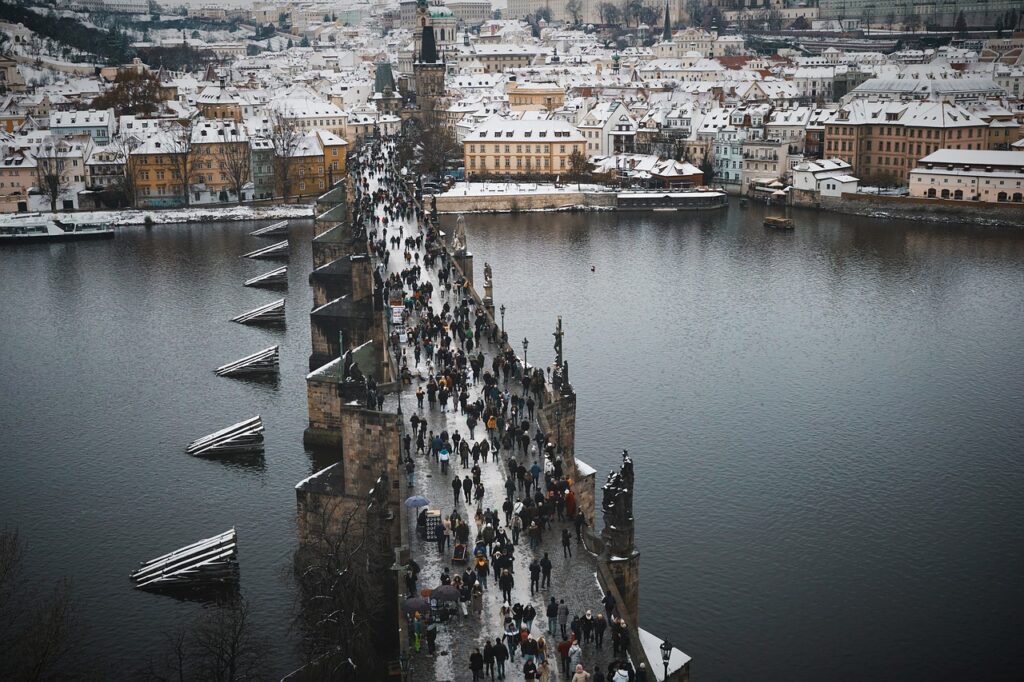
666,34
428,51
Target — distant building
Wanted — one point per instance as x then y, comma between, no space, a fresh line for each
823,178
883,140
99,125
470,12
970,175
534,96
514,147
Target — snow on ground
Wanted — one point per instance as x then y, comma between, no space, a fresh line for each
196,214
480,189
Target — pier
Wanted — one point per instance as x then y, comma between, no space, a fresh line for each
369,407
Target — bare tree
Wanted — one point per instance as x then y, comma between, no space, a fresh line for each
126,182
866,17
436,145
236,160
285,137
574,8
224,645
183,155
220,646
578,165
50,178
345,588
610,14
37,631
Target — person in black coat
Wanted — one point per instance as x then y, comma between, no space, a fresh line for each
476,664
489,659
500,656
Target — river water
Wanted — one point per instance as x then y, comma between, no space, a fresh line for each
827,426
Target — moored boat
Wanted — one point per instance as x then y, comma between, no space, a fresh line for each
779,223
35,227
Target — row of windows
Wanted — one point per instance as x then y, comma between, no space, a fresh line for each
496,148
901,131
529,163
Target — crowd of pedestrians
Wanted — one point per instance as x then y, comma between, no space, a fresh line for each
475,421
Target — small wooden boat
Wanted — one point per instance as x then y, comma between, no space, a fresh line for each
779,223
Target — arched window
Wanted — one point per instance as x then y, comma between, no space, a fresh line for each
931,192
1001,196
958,195
945,194
1017,196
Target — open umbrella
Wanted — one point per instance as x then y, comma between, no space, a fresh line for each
445,593
414,604
417,501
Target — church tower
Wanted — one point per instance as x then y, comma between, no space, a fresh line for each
666,47
428,68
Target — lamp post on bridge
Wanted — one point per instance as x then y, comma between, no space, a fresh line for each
666,654
502,309
526,344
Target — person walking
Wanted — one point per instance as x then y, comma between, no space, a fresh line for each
575,654
580,675
505,583
563,654
580,522
488,653
587,626
563,616
609,604
545,572
600,625
476,664
500,656
456,489
566,543
534,576
552,613
529,614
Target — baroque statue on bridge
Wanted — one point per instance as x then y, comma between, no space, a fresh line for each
459,235
617,505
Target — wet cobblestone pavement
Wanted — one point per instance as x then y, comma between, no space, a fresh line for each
572,578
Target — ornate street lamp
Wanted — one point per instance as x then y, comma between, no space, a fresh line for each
666,653
526,344
502,309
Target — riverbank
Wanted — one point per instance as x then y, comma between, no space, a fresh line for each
513,197
921,210
516,197
196,214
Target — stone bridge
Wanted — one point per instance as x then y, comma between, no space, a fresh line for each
361,445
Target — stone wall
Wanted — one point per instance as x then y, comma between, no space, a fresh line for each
503,203
371,445
916,209
323,403
362,277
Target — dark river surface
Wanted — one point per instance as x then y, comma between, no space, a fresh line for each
828,426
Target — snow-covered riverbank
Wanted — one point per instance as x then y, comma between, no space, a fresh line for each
197,214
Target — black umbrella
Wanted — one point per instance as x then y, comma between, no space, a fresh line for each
414,604
445,593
